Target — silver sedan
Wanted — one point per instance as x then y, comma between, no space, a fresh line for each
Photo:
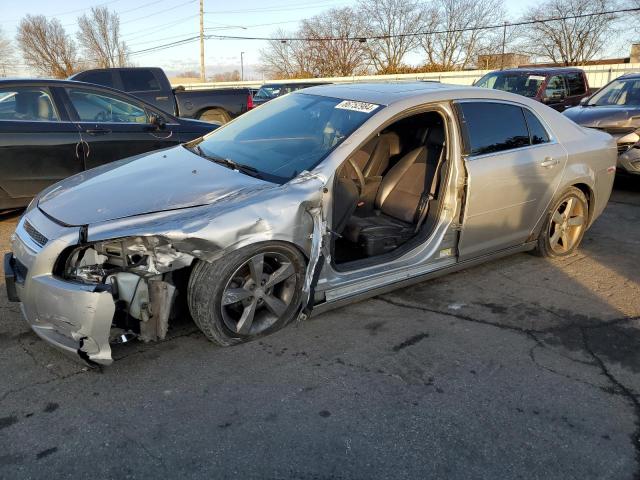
314,200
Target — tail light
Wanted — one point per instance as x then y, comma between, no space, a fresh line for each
249,102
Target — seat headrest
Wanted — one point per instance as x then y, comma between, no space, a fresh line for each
436,136
394,142
44,108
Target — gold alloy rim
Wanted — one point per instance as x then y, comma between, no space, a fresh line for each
567,224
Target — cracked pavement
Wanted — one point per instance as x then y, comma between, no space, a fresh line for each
519,368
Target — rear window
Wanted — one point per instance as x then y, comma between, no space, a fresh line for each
99,78
29,104
493,127
139,81
537,132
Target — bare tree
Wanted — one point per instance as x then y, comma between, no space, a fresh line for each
99,36
394,21
459,31
6,55
46,47
332,40
325,45
286,59
569,41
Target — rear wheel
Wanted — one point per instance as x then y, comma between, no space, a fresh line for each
215,115
247,294
565,225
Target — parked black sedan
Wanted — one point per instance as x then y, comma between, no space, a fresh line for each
52,129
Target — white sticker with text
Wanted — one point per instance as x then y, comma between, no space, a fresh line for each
357,106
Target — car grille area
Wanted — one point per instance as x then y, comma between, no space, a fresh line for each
35,235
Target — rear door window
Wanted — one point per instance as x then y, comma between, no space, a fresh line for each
575,84
537,132
493,127
555,87
28,104
139,81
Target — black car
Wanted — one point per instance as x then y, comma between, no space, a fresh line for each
269,91
52,129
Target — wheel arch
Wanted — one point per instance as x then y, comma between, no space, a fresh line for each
203,110
590,194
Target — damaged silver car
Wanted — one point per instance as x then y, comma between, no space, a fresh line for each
615,109
314,200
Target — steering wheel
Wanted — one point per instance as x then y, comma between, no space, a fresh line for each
101,117
359,174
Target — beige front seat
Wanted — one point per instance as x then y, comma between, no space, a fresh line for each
398,199
45,110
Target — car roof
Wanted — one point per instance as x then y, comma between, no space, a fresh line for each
541,70
383,93
630,75
53,82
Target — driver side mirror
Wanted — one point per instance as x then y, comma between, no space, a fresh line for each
555,97
158,122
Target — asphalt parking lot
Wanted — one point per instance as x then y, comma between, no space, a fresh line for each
520,368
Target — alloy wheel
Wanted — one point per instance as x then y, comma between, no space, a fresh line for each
567,224
258,293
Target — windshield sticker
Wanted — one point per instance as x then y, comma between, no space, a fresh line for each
536,77
357,106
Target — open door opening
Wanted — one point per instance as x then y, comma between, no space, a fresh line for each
387,193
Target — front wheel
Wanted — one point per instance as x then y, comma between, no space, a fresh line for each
247,294
565,225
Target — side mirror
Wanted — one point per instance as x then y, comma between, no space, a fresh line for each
158,122
584,101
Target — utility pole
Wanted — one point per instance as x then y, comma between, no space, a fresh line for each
202,75
242,66
504,41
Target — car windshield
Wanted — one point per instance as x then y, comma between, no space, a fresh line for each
286,136
268,91
522,83
618,92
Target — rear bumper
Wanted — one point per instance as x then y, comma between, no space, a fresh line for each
71,316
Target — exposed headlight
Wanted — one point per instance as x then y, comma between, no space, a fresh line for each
143,256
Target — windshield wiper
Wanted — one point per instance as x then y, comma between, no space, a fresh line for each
247,169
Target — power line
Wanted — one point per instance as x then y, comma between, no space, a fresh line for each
361,38
274,8
158,12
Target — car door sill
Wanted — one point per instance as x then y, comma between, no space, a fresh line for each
340,300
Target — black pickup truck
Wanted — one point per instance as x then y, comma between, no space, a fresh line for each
217,105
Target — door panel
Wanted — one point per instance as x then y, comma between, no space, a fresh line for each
513,171
37,148
108,142
506,194
113,127
35,155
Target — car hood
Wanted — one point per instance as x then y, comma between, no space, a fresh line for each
605,117
164,180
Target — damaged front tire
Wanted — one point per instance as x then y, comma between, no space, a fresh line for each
247,294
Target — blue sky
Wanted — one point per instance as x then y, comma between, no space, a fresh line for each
148,23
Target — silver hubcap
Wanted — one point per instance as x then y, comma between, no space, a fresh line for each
258,293
566,225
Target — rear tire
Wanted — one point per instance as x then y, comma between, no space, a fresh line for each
565,225
215,115
247,294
